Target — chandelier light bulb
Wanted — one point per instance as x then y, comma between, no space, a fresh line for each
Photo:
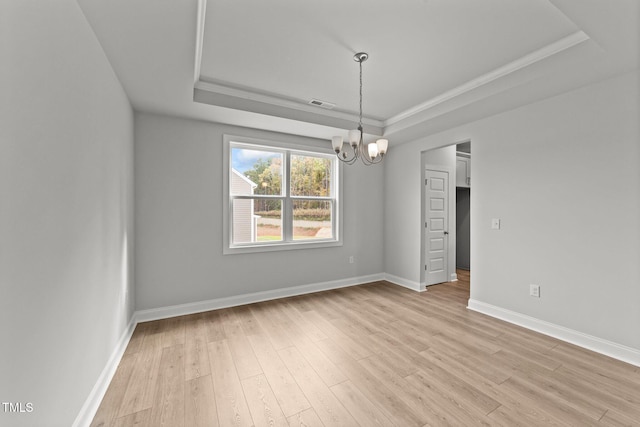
373,150
383,144
336,142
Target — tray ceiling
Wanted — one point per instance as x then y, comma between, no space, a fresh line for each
432,64
418,49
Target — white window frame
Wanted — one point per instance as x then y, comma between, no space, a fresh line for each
287,149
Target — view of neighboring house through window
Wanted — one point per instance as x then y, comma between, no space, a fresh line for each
280,196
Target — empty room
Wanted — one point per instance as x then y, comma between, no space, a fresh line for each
286,213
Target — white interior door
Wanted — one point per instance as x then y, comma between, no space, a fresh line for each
436,226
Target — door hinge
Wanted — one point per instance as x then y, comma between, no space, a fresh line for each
425,181
425,267
426,225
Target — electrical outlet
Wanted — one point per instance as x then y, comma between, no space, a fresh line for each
351,259
534,291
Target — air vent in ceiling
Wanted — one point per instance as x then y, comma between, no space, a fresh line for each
322,104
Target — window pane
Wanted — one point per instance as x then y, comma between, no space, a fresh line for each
256,172
310,176
256,220
312,219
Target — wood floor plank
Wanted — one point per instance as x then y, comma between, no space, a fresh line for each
231,403
624,401
137,338
141,388
249,323
559,411
327,406
597,362
196,353
199,403
307,326
614,419
278,337
213,323
263,405
527,410
168,402
324,367
563,393
355,350
396,353
137,419
306,418
423,397
243,356
173,331
361,408
112,400
449,384
393,406
287,392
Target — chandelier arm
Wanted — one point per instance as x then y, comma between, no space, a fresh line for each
349,160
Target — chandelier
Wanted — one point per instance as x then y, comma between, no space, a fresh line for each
369,154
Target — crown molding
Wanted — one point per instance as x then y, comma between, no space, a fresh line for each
519,64
200,17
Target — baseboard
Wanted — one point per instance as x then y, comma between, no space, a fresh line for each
409,284
90,407
215,304
599,345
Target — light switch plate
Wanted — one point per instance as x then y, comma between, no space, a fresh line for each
495,223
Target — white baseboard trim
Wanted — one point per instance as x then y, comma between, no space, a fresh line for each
90,407
599,345
215,304
409,284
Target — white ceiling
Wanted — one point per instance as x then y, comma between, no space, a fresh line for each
433,63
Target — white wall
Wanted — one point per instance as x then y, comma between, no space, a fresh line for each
179,206
66,147
563,175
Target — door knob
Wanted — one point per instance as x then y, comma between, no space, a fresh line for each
446,232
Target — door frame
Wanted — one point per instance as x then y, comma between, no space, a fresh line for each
451,253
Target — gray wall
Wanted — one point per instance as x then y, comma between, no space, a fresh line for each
563,174
66,147
179,206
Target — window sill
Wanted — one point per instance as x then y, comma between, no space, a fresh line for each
245,249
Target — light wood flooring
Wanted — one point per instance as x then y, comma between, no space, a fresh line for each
369,355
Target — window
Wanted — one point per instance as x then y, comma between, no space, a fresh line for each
279,196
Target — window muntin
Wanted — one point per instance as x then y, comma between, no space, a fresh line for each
281,197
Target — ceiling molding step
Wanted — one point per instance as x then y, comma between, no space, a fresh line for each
328,117
519,64
288,110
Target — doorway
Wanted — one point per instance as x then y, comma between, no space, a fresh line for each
446,214
463,206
